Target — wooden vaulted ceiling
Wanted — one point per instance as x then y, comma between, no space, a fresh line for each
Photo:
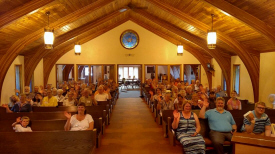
245,28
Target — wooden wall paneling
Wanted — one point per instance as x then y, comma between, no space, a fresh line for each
14,50
51,59
10,16
202,58
223,61
247,55
33,60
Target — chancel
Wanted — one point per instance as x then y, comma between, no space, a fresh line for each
137,76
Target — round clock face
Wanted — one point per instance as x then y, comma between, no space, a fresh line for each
129,39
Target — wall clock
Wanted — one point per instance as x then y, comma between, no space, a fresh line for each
129,39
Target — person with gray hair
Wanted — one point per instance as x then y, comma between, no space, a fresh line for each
101,95
85,97
60,98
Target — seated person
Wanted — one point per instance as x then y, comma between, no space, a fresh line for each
13,99
49,100
196,101
212,100
60,98
21,124
79,121
221,123
233,103
180,98
188,93
37,99
165,104
257,122
102,96
188,127
22,106
92,96
156,96
69,101
220,92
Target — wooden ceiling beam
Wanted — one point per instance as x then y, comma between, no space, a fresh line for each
15,49
18,12
247,55
202,58
246,18
50,60
33,59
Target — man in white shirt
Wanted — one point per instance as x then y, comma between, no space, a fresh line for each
101,96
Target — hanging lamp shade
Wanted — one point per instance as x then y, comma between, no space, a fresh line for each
48,35
48,38
211,37
77,49
180,50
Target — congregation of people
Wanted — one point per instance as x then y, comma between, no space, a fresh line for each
66,94
184,98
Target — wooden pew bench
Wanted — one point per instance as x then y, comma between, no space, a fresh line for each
204,132
52,125
61,142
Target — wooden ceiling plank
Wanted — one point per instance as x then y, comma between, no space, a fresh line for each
224,62
246,18
33,59
243,52
18,12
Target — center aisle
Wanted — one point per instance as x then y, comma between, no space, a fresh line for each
133,130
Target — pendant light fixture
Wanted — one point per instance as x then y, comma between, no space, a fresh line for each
48,34
77,48
211,37
180,50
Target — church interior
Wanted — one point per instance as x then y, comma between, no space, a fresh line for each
167,40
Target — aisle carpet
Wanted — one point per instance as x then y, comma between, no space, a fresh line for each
129,94
133,131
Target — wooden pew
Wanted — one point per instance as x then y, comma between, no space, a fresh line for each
52,125
252,144
60,142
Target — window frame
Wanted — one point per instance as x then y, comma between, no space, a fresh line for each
20,77
234,79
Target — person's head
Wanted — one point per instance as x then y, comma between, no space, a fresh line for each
64,87
197,82
23,98
189,89
233,94
27,89
187,106
37,95
186,84
70,95
220,103
54,91
59,92
25,121
180,98
100,89
86,92
81,108
212,95
167,97
45,93
72,89
158,90
260,107
36,89
175,89
14,98
195,97
49,93
83,86
192,81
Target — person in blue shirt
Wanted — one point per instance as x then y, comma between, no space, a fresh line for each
257,122
221,123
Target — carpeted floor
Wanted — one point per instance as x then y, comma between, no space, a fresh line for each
129,94
133,131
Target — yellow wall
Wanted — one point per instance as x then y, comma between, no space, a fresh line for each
246,90
267,76
217,77
9,81
106,49
38,74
